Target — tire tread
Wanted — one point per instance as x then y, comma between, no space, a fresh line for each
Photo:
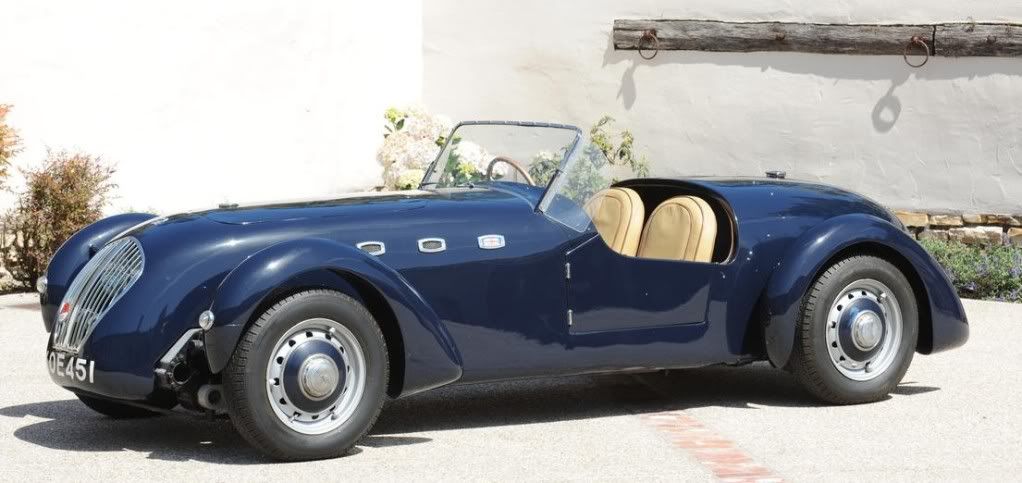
235,381
806,361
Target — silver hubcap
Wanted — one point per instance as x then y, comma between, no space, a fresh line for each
864,329
867,329
316,376
319,377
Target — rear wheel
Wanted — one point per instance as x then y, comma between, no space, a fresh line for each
115,410
857,333
308,378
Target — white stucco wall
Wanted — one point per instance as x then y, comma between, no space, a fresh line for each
200,102
945,136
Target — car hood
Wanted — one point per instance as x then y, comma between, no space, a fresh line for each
372,205
376,203
219,239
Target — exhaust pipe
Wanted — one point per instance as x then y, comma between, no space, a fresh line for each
211,396
180,373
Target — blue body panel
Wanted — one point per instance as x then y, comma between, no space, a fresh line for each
467,314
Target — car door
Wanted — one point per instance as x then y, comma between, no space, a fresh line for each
608,291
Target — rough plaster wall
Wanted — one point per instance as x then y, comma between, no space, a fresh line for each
199,102
945,136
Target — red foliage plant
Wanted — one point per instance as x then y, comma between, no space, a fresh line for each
10,143
63,195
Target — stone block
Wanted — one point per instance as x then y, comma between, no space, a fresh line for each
946,220
913,219
1015,236
973,218
928,234
977,235
1003,220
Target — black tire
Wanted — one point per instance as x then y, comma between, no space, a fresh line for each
811,361
245,378
115,410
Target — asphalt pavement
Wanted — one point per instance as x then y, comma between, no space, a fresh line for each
954,418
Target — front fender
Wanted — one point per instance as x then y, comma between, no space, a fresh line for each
74,253
807,256
431,358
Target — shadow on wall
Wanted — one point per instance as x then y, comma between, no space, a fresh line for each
885,112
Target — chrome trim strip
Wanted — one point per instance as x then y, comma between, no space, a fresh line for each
176,348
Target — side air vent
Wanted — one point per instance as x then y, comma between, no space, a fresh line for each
376,248
432,245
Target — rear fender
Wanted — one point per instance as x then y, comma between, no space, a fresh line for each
431,358
942,319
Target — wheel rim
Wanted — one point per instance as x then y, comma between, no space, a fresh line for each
864,329
316,376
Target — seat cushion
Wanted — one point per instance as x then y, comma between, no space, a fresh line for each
618,214
681,228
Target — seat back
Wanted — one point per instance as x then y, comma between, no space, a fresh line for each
618,214
681,228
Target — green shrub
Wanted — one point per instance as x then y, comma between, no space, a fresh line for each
989,273
587,175
61,197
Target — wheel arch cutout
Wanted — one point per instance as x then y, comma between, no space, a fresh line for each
422,353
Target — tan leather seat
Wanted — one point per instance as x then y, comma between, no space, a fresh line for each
618,214
681,228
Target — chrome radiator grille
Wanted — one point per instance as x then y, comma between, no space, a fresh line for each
99,285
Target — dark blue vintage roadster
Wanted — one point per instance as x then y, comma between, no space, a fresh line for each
519,255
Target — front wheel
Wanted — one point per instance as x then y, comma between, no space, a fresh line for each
309,377
857,332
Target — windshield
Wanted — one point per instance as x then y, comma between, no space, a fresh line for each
587,172
555,157
485,152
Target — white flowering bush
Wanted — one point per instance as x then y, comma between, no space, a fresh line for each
412,141
414,137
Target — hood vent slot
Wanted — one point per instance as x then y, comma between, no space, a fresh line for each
376,248
432,245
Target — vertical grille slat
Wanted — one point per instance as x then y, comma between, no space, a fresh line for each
97,288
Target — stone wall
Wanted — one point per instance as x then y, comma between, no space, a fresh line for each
970,228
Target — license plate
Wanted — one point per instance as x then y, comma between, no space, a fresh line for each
72,367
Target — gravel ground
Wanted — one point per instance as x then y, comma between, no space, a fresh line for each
954,418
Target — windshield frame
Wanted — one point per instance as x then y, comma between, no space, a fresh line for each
544,201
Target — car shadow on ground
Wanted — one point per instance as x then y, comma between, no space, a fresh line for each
70,426
582,397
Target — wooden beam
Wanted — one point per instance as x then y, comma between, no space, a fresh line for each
948,39
984,40
715,36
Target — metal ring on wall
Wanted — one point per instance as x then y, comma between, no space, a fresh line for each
917,40
649,36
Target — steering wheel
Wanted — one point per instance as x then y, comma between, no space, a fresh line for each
514,164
